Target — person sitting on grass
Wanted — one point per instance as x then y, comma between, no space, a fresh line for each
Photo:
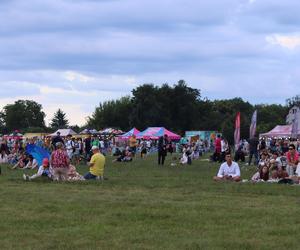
21,162
59,163
32,163
184,159
43,171
126,156
264,160
96,165
73,175
292,160
229,170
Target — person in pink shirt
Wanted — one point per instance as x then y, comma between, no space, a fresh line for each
217,154
292,160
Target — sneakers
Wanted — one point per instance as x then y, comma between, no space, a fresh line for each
99,178
25,177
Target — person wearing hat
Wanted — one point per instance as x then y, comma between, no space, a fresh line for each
43,171
96,165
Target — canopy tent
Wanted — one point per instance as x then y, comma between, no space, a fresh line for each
16,135
130,133
279,131
156,132
32,135
88,131
64,132
109,131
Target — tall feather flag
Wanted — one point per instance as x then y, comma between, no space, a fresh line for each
237,132
253,125
295,126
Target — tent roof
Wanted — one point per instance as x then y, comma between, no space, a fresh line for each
279,131
64,132
111,131
156,132
130,133
89,131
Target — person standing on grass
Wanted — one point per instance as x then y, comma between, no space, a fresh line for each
57,139
59,161
133,144
253,150
217,153
229,170
96,165
87,145
162,149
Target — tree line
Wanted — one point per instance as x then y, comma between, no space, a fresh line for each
177,107
181,108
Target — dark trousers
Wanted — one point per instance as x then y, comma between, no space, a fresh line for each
161,157
255,153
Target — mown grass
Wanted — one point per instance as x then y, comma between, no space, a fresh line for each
146,206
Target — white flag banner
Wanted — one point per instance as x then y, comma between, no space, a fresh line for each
253,124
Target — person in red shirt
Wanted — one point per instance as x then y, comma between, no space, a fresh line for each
217,154
292,160
59,161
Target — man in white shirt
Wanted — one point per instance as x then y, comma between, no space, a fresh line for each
229,170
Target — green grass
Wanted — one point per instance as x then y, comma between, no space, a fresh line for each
144,206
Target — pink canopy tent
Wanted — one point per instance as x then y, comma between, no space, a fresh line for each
156,132
130,133
279,131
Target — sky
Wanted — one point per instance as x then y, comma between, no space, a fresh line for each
74,54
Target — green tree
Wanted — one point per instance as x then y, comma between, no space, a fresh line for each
113,113
269,116
59,120
22,115
293,101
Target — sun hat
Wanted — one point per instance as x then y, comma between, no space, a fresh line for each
45,161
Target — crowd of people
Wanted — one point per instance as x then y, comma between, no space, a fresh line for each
65,153
276,160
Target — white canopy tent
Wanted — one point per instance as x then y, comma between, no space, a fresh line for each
64,132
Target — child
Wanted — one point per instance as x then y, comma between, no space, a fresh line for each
43,171
73,175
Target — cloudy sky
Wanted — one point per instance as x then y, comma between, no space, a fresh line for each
73,54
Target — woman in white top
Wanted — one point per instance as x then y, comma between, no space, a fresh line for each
32,163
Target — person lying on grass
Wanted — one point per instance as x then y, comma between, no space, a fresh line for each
229,170
261,175
96,165
43,171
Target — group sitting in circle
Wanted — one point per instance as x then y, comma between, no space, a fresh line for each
58,168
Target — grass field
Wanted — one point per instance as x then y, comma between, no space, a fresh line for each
144,206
